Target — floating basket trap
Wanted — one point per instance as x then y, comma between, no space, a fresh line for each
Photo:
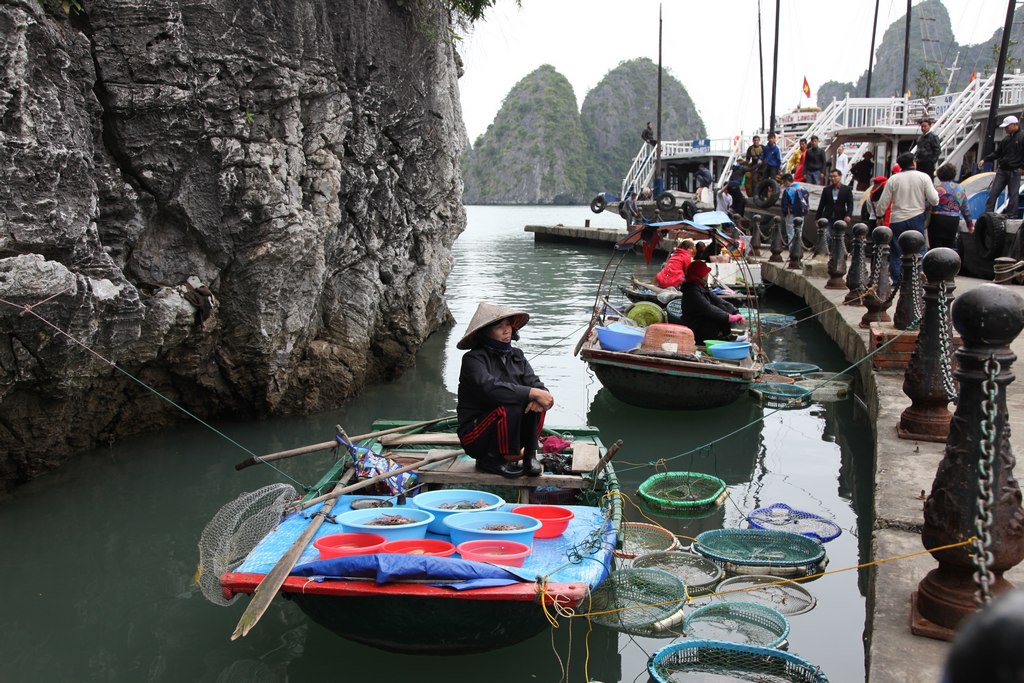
790,369
639,538
738,622
730,661
638,601
788,597
761,551
699,574
781,517
680,491
826,386
772,378
781,396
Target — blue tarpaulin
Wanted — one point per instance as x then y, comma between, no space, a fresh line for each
434,571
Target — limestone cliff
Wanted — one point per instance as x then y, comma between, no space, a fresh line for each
300,157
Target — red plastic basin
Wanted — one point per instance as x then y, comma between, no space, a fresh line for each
341,545
419,546
509,553
554,519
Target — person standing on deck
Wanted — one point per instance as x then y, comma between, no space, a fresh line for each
911,193
842,161
814,163
862,170
796,164
751,159
648,135
794,204
836,203
928,148
501,401
771,158
723,201
1009,161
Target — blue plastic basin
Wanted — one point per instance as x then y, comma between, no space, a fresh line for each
730,350
620,337
431,501
466,526
358,521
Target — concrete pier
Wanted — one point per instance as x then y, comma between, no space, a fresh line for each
903,469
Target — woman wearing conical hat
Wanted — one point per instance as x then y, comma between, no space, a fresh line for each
502,402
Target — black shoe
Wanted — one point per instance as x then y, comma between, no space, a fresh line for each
532,468
509,470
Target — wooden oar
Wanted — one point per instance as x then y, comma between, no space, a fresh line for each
331,444
445,455
272,582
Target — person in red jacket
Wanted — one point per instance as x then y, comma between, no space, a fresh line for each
674,270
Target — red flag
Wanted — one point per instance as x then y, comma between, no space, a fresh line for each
807,88
974,74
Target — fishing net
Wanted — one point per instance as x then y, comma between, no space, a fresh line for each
698,574
235,530
791,369
639,538
646,313
672,491
761,551
825,386
738,622
781,517
781,396
720,661
786,596
638,601
771,378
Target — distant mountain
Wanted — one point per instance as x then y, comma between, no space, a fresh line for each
932,48
616,110
535,151
542,150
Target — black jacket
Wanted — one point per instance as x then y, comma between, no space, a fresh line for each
814,159
705,313
838,210
928,148
490,379
1008,152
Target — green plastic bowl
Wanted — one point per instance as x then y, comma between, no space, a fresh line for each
708,343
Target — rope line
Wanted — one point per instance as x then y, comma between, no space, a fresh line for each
29,309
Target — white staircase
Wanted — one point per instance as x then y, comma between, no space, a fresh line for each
641,172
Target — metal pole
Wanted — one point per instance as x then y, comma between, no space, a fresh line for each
997,86
760,59
775,64
871,55
657,150
906,53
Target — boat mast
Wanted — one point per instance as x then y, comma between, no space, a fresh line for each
906,53
997,87
871,55
658,183
760,59
775,64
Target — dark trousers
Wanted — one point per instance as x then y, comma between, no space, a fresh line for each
895,254
1008,179
502,432
942,231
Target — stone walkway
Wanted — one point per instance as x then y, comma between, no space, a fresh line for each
902,470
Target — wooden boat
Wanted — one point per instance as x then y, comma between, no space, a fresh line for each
424,612
650,379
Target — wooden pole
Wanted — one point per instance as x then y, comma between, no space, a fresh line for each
997,85
906,53
313,448
609,454
775,65
760,59
275,578
659,187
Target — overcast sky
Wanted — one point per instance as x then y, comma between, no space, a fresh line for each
709,45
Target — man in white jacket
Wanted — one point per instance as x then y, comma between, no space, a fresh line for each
911,193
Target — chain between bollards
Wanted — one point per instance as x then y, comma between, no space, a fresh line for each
986,475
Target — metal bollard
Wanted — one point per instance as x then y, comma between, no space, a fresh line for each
821,247
909,306
796,245
878,296
857,277
929,378
776,244
974,493
837,257
755,235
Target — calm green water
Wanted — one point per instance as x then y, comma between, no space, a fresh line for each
98,557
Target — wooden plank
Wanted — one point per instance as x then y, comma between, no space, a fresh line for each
585,457
428,439
565,481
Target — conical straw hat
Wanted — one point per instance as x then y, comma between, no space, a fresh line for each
486,314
